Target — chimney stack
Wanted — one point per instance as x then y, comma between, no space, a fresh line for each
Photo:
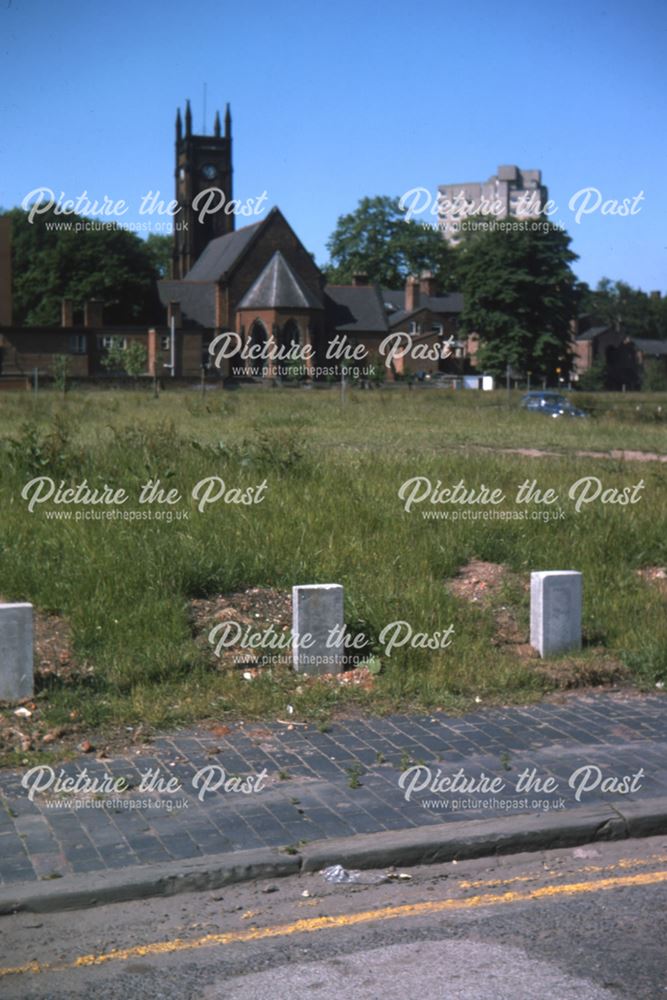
67,313
358,280
5,271
92,313
427,284
411,293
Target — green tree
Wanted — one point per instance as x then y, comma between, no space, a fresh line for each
111,264
654,376
519,296
594,378
160,249
627,309
375,240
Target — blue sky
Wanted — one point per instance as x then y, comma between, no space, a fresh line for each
332,102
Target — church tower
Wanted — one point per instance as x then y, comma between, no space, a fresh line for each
203,164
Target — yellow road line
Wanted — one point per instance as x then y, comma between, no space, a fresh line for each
314,924
481,883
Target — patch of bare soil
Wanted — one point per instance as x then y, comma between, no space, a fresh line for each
656,576
616,453
255,611
566,673
53,648
360,677
629,456
22,727
248,611
479,581
487,585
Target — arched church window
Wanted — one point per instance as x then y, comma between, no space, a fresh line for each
258,341
290,333
290,336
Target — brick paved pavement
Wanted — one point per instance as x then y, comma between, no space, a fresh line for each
325,784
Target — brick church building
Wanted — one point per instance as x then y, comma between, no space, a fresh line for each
257,281
260,281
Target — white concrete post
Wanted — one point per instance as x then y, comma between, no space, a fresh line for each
317,610
16,676
555,611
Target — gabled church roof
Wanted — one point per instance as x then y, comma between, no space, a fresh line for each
356,308
278,287
221,254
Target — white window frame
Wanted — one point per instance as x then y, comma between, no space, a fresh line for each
110,340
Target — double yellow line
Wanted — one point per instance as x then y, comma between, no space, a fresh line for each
316,924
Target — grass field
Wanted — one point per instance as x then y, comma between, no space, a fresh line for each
330,513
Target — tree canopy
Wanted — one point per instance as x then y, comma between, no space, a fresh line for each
109,263
519,296
375,240
633,312
160,249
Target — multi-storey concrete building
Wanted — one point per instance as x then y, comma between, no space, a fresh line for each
511,192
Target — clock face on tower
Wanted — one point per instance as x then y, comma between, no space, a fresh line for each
209,172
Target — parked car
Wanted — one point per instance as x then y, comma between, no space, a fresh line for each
552,404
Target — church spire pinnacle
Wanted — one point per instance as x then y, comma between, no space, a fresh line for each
228,122
179,125
188,118
216,126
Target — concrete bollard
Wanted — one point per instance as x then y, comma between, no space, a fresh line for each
317,610
555,611
16,673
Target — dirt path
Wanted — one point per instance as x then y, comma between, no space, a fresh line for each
617,454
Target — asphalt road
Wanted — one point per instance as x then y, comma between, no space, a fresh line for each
587,923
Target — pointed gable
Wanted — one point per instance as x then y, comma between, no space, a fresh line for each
231,266
278,287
